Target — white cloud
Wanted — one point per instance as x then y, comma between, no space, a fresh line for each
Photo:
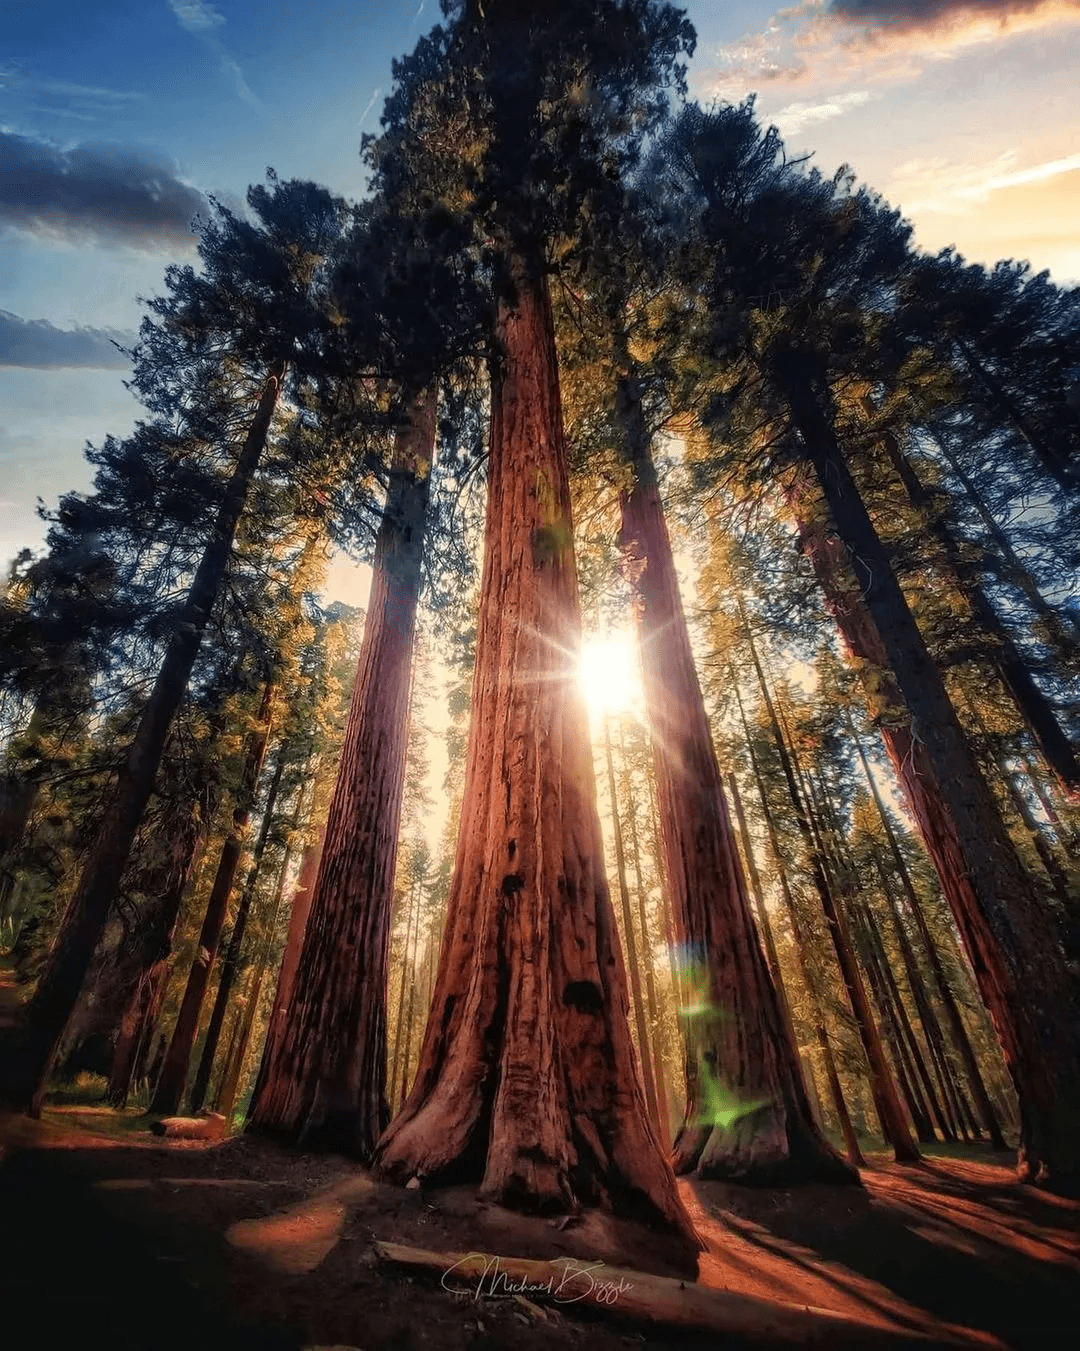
201,20
196,16
797,116
1050,169
925,185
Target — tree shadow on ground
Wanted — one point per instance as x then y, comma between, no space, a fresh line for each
962,1240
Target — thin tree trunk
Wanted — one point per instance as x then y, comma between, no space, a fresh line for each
1021,970
948,1000
526,1078
931,1028
225,1100
326,1081
174,1071
651,1000
741,1054
836,1092
144,1001
395,1075
883,1088
294,942
58,988
230,964
644,1060
406,1036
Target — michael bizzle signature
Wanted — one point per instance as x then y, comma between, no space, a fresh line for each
566,1286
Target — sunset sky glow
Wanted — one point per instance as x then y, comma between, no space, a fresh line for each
117,117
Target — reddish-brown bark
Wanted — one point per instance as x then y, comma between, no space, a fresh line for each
323,1080
526,1080
741,1041
290,960
1014,952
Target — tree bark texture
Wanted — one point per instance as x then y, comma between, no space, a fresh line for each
323,1078
526,1080
58,989
740,1051
290,960
1018,963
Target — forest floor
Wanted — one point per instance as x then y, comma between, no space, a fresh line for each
119,1238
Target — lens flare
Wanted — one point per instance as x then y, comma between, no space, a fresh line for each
718,1103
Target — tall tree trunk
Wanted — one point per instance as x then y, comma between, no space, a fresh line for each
1021,970
1034,707
883,1088
741,1054
836,1092
58,988
651,1002
155,949
397,1097
169,1090
326,1082
290,960
920,1096
932,1035
225,1100
764,923
409,968
230,964
948,1000
644,1061
526,1078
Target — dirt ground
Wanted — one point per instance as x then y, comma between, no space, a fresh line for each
116,1237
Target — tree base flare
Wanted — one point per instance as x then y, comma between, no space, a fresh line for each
757,1150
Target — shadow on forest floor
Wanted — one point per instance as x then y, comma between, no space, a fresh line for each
135,1243
958,1238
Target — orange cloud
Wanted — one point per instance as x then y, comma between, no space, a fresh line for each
827,43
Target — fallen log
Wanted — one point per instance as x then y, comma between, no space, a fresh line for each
208,1127
567,1282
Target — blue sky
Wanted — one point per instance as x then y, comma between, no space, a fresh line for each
115,115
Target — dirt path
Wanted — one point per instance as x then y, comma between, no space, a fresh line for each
242,1245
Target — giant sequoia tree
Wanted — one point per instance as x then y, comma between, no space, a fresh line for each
526,1080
